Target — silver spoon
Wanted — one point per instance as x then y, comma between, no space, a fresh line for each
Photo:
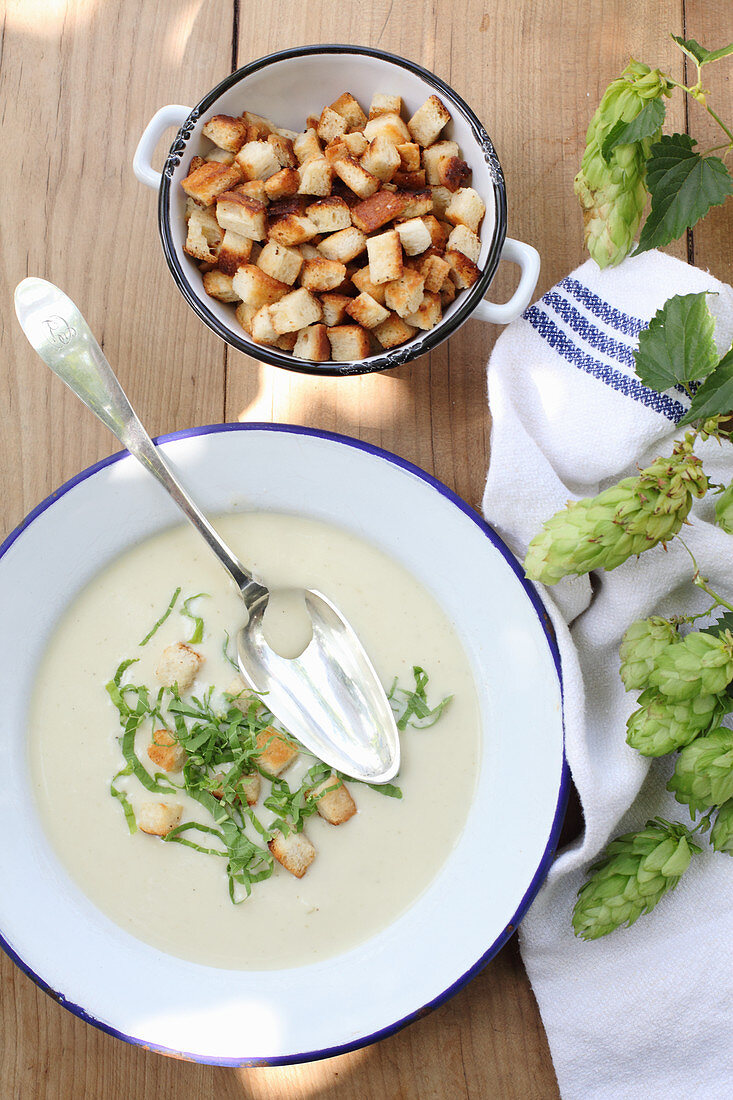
329,697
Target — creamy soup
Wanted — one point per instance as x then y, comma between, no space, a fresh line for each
367,870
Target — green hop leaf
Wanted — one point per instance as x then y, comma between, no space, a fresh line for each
700,664
724,510
683,186
703,774
662,725
646,124
721,836
640,646
715,395
698,53
721,625
631,877
678,346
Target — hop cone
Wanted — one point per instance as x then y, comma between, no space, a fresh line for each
613,192
663,725
703,775
724,510
602,532
721,836
641,645
634,872
700,664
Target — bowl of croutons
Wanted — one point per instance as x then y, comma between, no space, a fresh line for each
334,210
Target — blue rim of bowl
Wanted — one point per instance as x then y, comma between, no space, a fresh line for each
563,793
418,345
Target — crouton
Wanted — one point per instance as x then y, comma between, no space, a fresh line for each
259,121
349,109
178,664
361,182
356,143
287,341
312,343
294,851
344,245
246,788
219,285
388,125
283,183
291,230
334,308
244,314
466,207
219,156
349,343
405,294
428,121
438,233
295,311
409,153
255,287
275,750
463,240
335,150
234,251
331,125
209,180
428,312
393,331
333,801
464,272
165,752
242,696
381,158
306,146
257,160
367,311
226,132
280,262
416,203
414,236
435,271
254,189
283,150
363,282
194,163
203,236
447,292
453,173
293,204
432,157
308,251
246,216
158,818
263,331
314,177
410,181
441,197
385,105
376,211
321,274
329,214
385,257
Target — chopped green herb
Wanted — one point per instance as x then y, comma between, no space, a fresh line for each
162,618
198,622
124,800
225,651
411,707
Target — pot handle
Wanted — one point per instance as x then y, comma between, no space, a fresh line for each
528,260
171,115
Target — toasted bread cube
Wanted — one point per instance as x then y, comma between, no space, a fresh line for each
192,206
333,801
441,198
405,294
219,156
376,211
292,229
410,181
385,105
306,146
428,121
467,208
349,343
414,236
362,280
349,109
409,156
435,270
308,251
257,160
218,285
246,216
329,214
287,341
321,274
283,183
331,125
226,132
381,158
248,788
453,173
438,233
356,143
295,311
196,162
385,257
255,287
165,752
264,124
203,236
344,245
292,204
209,180
275,750
464,272
312,343
263,331
447,292
367,311
254,189
416,203
388,125
280,262
234,251
393,331
242,696
428,313
432,157
283,150
178,664
244,314
463,240
361,182
158,818
334,309
294,851
315,177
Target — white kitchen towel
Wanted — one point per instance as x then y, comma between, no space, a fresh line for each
646,1012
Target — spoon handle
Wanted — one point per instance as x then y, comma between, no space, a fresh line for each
58,332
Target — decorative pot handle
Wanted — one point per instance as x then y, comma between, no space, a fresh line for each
528,260
171,115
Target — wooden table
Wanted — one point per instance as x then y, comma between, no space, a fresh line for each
80,79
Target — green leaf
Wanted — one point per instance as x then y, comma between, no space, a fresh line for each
725,622
698,53
198,622
683,186
678,346
646,123
162,618
715,395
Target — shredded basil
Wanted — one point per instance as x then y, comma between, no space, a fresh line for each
198,622
411,707
162,618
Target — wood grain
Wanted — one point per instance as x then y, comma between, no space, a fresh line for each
79,80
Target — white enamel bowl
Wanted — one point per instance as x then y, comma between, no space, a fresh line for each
107,977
